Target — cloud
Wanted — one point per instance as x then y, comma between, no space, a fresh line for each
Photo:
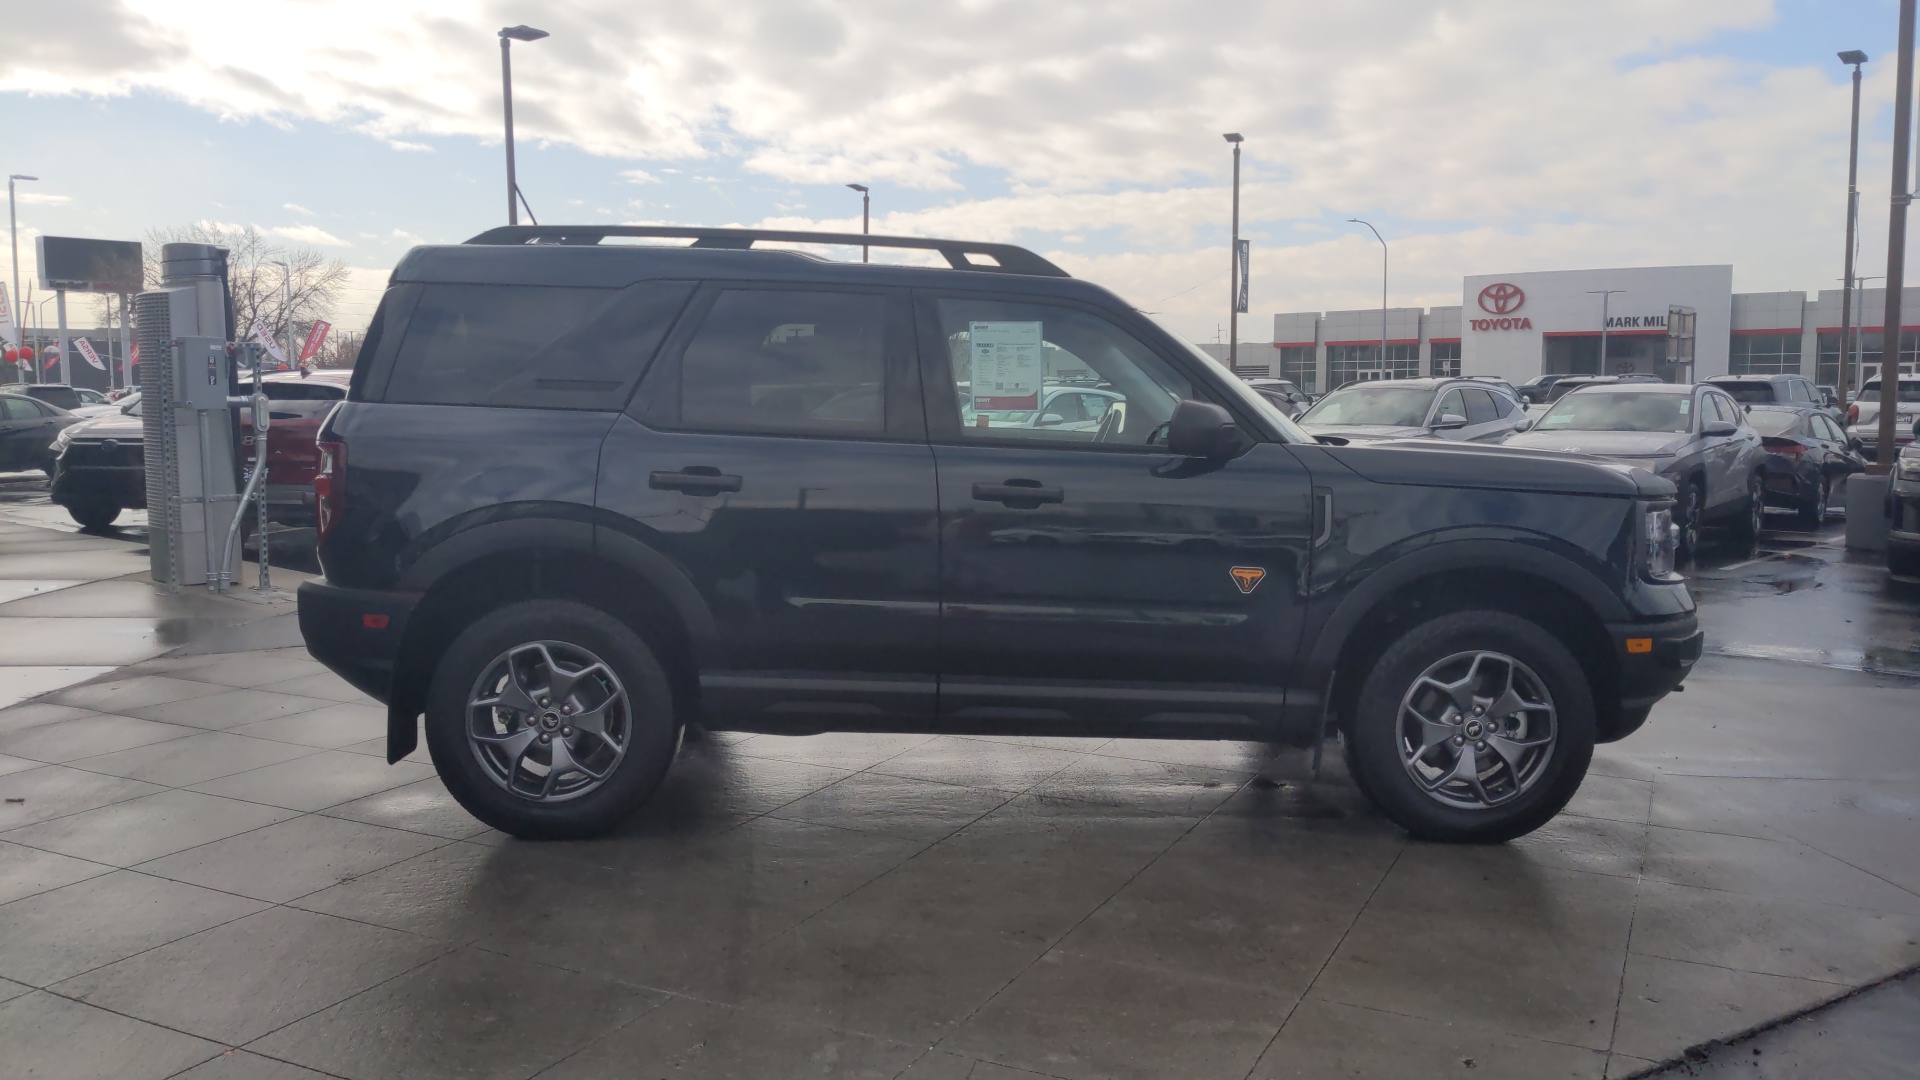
1480,134
297,208
306,234
409,147
41,198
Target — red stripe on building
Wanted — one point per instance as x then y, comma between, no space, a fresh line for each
1376,341
1595,334
1866,330
1443,341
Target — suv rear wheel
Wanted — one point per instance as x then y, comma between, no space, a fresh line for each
1473,727
550,720
93,513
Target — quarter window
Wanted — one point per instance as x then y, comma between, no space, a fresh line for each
1007,359
780,361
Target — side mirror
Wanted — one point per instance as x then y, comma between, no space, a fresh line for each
1522,425
1051,419
1201,429
1448,421
1718,428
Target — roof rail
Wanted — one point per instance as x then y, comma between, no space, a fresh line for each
1005,258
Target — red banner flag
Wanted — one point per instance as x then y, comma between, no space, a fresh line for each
315,338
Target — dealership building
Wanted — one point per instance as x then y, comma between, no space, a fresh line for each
1682,323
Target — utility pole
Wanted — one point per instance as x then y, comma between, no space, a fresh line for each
1233,260
1605,296
13,243
1896,243
509,35
1856,58
1383,290
866,205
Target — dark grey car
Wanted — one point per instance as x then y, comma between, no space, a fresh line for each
1695,436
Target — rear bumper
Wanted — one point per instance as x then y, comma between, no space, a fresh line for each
356,633
1654,658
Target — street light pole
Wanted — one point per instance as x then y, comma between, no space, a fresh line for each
13,242
1856,58
1605,295
1383,290
509,35
1896,241
1233,260
866,204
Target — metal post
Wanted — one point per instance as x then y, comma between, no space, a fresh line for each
126,342
506,103
1383,290
1853,216
1896,242
866,207
1606,295
60,311
1233,272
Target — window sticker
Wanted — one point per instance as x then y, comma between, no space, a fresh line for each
1008,363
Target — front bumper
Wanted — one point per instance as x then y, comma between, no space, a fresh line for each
124,486
1653,658
356,633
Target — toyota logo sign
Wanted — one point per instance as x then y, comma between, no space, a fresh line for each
1501,298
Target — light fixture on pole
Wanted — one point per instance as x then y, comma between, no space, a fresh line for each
509,35
1383,290
13,242
1605,295
866,204
1856,58
1233,258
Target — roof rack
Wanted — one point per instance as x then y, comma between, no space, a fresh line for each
1004,258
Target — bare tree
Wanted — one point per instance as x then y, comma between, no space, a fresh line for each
258,280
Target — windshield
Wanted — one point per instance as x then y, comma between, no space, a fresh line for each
131,404
1908,392
1773,423
1597,410
1372,404
1753,393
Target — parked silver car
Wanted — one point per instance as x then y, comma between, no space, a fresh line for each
1695,436
1460,409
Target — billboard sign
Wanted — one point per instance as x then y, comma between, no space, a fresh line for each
81,265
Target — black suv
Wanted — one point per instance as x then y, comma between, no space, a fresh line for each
581,496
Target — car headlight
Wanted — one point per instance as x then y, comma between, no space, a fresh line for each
1659,544
1907,466
60,441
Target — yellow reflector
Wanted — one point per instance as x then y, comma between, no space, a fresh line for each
1639,644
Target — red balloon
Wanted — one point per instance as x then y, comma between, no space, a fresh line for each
26,352
12,354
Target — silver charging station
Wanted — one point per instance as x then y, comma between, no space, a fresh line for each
186,372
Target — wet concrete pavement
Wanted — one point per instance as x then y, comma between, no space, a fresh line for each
213,873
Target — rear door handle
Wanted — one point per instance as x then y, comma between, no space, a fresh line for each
694,480
1019,494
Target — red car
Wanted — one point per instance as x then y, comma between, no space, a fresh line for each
299,404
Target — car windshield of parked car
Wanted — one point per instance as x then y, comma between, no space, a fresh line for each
1374,405
1598,410
1752,393
1774,423
130,404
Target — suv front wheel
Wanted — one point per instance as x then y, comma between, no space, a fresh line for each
550,719
1472,727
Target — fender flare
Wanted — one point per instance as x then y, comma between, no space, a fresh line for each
1521,554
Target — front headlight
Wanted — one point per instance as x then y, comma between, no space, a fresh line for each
60,441
1659,544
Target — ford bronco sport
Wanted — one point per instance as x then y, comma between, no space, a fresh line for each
582,495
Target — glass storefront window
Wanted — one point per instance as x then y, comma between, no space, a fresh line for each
1764,354
1357,363
1866,347
1297,367
1444,360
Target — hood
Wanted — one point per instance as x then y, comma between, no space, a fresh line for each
115,425
1603,443
1485,466
1362,432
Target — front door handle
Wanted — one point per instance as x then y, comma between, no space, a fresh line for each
694,480
1019,494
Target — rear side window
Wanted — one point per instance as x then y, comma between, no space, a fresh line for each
782,361
13,408
1480,408
531,346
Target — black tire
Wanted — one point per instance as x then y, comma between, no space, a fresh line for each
1904,561
651,729
94,514
1686,517
1753,514
1535,792
1813,510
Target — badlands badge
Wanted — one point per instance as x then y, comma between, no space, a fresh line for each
1247,578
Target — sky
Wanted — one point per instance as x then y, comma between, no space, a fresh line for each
1478,136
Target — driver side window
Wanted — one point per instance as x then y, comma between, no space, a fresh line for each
1010,361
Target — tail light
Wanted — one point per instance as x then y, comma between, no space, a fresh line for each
330,485
1853,414
1787,447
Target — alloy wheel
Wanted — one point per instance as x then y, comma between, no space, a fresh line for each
1476,730
548,721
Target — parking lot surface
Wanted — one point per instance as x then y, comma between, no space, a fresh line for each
210,871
